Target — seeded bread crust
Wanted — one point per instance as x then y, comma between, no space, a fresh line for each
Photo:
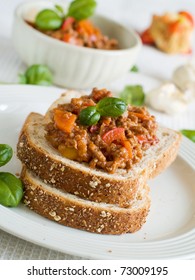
75,178
71,211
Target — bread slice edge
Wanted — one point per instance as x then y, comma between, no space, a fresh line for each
75,212
46,162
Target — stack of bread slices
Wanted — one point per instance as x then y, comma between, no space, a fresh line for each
77,196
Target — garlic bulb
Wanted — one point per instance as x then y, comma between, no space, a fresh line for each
184,78
167,98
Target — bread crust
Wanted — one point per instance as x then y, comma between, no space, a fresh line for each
85,183
73,180
165,159
92,217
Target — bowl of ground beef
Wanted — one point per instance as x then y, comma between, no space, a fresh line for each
80,53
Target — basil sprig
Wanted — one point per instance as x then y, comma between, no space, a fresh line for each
189,134
37,74
81,9
108,106
48,19
11,189
133,94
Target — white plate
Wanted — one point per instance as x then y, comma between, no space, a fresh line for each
169,232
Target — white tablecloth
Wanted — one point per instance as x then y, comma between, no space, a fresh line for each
150,61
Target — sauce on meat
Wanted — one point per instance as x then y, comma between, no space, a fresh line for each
110,144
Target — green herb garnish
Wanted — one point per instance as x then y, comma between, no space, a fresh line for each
111,107
108,106
189,134
81,9
134,69
6,153
48,19
11,189
37,75
89,116
133,95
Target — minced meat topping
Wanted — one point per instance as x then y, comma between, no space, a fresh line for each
110,144
81,33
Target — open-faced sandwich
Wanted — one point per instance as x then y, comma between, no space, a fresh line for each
86,162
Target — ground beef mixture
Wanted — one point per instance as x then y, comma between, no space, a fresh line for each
81,33
88,144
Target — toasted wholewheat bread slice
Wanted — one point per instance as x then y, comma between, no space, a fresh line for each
72,211
120,188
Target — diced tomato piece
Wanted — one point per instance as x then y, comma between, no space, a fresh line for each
146,37
67,37
86,27
67,23
64,120
117,133
141,138
176,26
187,16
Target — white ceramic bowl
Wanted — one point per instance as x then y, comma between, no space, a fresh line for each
74,66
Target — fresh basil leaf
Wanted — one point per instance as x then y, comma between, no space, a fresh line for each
111,107
6,154
37,74
89,116
11,189
134,69
189,134
81,9
133,95
48,20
